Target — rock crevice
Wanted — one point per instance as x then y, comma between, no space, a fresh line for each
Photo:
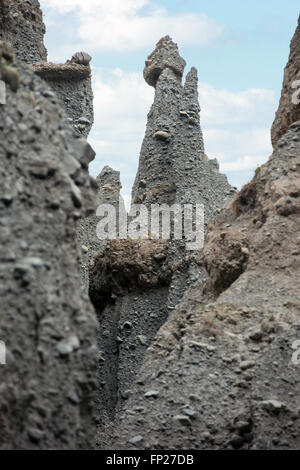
173,169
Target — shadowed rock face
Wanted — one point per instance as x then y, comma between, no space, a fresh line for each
108,192
21,24
129,284
128,265
289,106
47,387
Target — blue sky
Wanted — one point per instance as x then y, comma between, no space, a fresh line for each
239,49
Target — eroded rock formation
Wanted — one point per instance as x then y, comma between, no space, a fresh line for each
195,348
48,324
219,373
108,192
173,169
71,83
172,165
164,56
21,24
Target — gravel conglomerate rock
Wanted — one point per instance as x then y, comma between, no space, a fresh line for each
47,322
165,55
223,360
173,169
108,192
21,24
72,84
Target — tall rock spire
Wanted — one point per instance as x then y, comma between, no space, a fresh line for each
156,180
172,166
135,284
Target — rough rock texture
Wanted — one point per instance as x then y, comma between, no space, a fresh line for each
21,24
129,287
47,387
127,265
165,55
219,374
82,58
108,192
72,84
289,112
172,169
172,165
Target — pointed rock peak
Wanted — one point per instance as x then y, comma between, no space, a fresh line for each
192,74
108,176
191,80
165,55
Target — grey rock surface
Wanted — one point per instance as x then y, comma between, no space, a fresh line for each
123,344
165,55
173,169
72,84
82,58
128,286
226,353
47,322
221,365
21,24
194,349
108,192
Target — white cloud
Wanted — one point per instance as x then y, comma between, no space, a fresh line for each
236,148
126,25
223,107
120,100
247,162
121,103
236,126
